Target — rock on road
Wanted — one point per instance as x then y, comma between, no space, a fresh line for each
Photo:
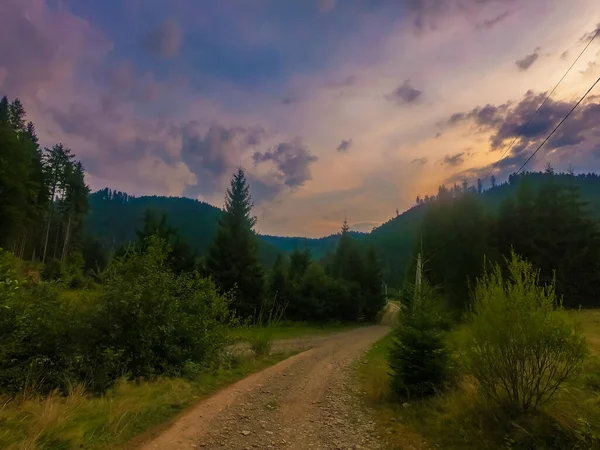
303,402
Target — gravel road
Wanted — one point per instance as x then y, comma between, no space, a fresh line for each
304,402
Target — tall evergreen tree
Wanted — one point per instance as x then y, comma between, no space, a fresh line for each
233,258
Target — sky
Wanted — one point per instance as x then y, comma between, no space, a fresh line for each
335,108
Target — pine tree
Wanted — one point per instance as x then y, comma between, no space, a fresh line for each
233,258
371,284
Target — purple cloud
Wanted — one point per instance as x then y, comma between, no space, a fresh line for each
527,61
163,40
454,160
344,145
292,160
405,94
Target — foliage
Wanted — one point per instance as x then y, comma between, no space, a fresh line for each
113,419
522,350
418,358
233,258
152,320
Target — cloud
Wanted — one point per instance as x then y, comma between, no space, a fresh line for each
590,34
578,136
419,161
527,61
490,23
344,145
564,55
454,160
426,14
213,154
292,162
405,94
163,40
52,45
325,6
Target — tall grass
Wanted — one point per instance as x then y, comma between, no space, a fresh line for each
265,323
459,419
80,420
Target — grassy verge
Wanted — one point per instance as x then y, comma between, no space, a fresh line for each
289,330
458,420
112,420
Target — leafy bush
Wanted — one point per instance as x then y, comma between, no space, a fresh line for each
418,357
146,321
153,321
522,349
54,270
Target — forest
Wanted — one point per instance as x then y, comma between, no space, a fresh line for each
149,303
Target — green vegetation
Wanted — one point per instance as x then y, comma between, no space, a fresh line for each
522,349
418,357
128,409
520,377
99,342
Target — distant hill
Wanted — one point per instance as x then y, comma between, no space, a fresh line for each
396,241
114,217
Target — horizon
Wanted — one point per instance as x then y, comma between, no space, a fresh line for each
375,105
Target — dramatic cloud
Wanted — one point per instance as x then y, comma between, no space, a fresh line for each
578,135
344,145
214,154
527,61
420,161
404,94
163,40
292,160
454,160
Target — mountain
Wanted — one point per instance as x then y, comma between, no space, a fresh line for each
397,240
114,217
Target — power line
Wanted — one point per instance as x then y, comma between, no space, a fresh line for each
559,124
518,135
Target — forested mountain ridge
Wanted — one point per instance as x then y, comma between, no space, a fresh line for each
396,240
114,217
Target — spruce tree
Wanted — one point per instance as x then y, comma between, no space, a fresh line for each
233,257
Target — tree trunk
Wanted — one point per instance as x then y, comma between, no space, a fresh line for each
48,229
23,243
56,238
67,236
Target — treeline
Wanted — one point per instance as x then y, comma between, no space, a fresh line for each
153,306
43,195
546,222
347,285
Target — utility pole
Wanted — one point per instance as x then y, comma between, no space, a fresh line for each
418,278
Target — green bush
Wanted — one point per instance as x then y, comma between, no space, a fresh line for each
146,321
153,321
418,357
522,349
54,270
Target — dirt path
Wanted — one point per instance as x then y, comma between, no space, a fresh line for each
303,402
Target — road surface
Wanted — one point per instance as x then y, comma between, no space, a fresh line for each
304,402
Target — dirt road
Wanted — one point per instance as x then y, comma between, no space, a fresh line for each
303,402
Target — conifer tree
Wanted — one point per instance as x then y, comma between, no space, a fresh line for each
233,258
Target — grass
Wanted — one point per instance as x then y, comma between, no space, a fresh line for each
289,330
459,420
112,420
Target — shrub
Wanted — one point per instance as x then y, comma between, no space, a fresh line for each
153,321
522,349
261,341
418,357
